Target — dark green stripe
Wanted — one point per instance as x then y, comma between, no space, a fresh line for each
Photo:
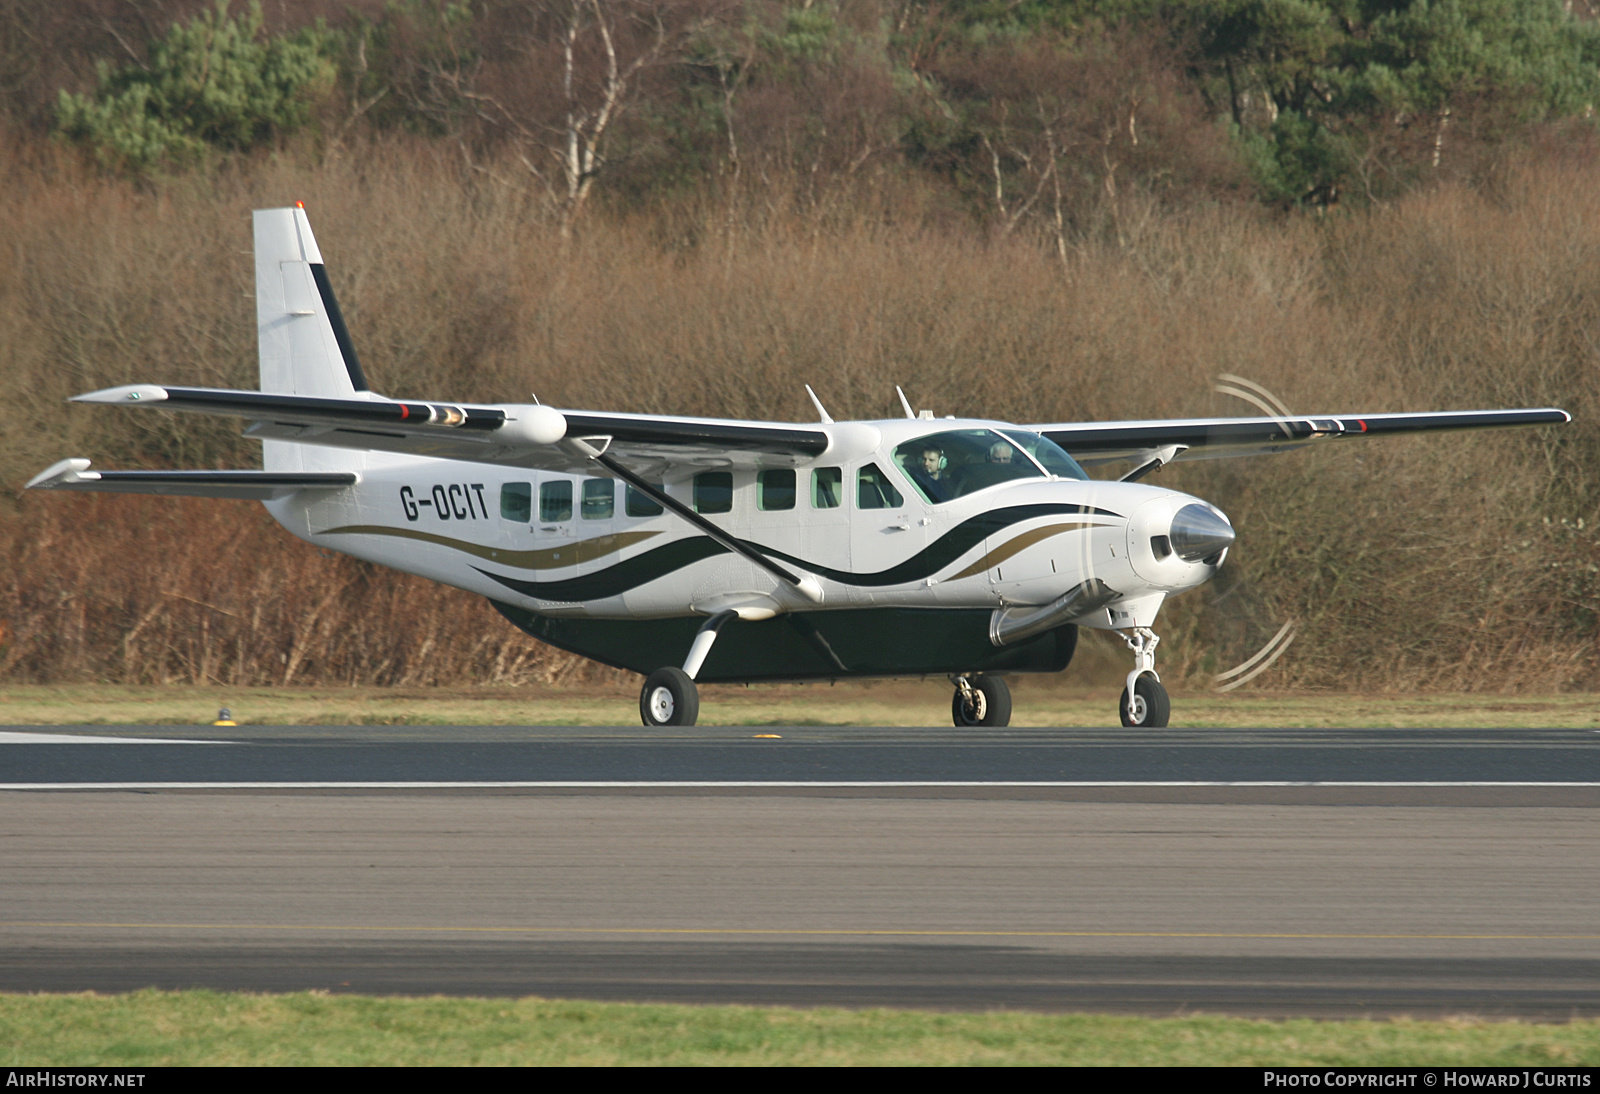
947,548
656,563
613,580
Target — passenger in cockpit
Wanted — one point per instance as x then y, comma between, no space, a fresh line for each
998,468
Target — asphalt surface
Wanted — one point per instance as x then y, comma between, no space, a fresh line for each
475,754
1321,873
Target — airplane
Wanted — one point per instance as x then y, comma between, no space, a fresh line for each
694,550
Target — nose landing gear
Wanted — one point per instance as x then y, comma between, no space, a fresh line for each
1144,700
980,701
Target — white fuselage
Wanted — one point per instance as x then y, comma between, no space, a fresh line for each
564,544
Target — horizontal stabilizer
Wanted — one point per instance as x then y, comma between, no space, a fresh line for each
74,474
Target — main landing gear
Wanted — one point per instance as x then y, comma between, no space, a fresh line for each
980,701
669,697
1144,700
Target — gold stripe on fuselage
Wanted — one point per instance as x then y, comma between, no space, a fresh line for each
551,558
1019,544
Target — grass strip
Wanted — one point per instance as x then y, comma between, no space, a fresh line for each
156,1028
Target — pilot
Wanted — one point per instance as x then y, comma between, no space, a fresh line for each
929,474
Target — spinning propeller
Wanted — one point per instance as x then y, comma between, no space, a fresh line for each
1274,647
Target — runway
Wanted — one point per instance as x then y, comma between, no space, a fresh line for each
544,757
1323,873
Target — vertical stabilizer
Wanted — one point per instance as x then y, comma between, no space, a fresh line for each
305,348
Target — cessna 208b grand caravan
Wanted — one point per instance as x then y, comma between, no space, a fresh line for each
692,549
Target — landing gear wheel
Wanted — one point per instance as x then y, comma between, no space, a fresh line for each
669,698
986,701
1151,707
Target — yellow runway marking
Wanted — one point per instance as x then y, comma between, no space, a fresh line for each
814,931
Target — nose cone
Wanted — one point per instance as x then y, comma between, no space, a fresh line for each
1198,532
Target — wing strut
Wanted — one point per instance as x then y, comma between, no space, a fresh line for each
1159,458
805,586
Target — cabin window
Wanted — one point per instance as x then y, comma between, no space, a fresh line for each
555,501
640,504
516,501
713,492
827,486
775,490
599,499
875,491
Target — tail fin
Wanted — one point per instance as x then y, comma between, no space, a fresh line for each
305,349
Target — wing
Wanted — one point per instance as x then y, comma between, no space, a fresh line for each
1092,443
74,474
631,447
511,435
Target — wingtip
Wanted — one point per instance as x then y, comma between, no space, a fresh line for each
60,473
127,394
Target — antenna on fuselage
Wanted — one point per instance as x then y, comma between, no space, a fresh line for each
827,419
904,402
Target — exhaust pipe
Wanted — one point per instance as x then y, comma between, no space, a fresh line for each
1011,625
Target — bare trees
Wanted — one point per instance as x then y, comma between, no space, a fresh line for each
552,78
1056,134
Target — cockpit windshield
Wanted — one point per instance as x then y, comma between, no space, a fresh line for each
1051,456
945,466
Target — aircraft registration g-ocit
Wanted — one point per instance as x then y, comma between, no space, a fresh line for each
695,549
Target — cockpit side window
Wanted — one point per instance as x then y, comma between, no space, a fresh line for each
875,491
945,466
825,487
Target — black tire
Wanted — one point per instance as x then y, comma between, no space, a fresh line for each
1152,708
991,705
669,698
